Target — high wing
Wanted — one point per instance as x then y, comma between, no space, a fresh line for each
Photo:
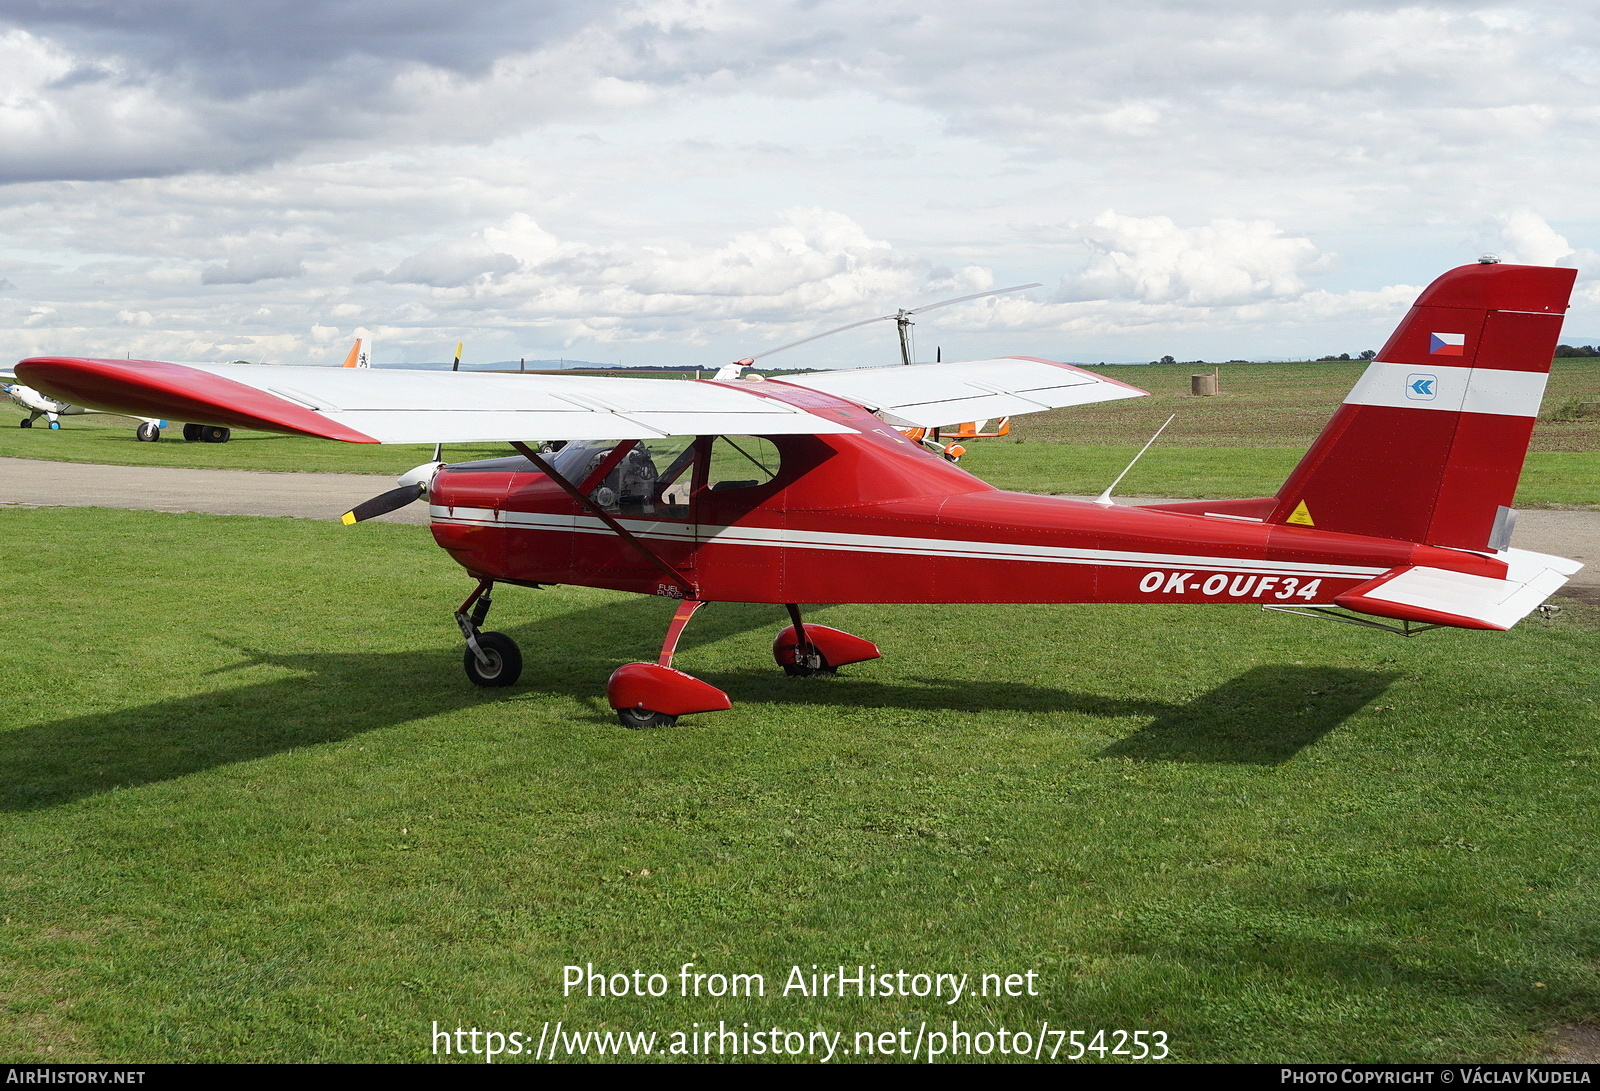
934,395
364,405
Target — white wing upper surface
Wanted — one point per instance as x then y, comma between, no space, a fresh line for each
397,406
934,395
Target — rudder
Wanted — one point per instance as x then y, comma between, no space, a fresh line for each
1429,444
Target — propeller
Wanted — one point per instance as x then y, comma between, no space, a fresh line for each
413,487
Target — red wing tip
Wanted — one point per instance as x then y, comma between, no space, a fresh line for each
177,392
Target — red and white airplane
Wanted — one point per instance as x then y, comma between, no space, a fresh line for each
803,490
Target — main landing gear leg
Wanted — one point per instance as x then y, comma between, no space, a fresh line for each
654,694
492,659
803,650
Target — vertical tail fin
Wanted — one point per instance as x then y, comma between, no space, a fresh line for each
359,354
1429,444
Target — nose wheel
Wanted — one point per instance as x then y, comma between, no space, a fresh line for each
496,661
492,659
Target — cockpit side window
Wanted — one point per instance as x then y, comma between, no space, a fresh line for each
741,462
651,480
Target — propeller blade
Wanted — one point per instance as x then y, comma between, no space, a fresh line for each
383,504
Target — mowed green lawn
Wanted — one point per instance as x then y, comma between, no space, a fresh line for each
252,810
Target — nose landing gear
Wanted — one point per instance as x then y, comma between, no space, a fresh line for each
492,659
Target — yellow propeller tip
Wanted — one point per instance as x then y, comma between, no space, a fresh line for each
348,518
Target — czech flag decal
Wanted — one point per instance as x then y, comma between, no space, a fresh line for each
1448,344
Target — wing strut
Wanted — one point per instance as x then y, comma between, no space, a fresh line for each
689,589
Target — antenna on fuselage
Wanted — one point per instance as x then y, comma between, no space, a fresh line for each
1104,499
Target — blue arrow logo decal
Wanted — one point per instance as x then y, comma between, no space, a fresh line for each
1420,388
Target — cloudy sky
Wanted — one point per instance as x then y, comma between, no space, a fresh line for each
688,182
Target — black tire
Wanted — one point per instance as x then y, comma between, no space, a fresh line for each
638,719
25,422
210,433
505,661
147,433
191,433
55,426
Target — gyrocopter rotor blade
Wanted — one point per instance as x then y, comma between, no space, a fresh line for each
903,317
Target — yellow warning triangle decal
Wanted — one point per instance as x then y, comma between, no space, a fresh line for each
1301,515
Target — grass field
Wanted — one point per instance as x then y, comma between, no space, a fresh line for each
251,810
1240,443
1271,405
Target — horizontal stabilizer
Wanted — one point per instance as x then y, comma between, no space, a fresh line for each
934,395
1437,596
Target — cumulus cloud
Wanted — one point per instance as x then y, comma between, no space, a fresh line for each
1525,238
1153,260
239,49
563,175
100,90
765,286
250,268
815,257
449,264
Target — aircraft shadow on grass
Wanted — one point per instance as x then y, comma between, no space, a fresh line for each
1264,716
